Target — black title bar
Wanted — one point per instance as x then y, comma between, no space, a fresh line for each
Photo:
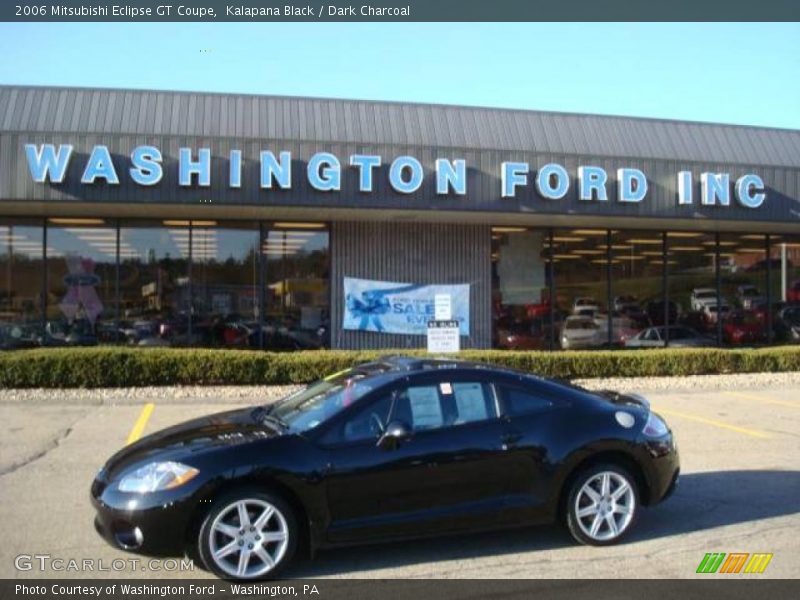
395,10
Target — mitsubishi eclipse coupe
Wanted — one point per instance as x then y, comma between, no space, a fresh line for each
394,449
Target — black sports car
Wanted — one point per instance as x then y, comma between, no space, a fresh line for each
397,448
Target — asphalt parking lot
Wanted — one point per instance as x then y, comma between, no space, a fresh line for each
739,492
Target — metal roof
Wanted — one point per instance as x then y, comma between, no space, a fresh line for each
316,120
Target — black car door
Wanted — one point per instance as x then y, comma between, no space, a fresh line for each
535,432
447,476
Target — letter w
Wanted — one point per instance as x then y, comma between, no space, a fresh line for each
711,562
44,162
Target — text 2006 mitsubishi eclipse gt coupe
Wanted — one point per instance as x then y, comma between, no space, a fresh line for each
397,448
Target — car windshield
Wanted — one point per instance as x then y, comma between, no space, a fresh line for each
706,295
318,402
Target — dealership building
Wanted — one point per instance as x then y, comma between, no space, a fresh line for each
154,218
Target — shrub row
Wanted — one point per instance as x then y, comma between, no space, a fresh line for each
122,367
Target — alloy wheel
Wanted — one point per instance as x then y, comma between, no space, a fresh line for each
248,538
605,505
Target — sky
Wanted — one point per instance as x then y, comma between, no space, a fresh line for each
746,73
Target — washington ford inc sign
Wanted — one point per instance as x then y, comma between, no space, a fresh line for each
49,163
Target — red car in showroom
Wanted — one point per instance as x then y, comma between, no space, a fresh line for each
743,327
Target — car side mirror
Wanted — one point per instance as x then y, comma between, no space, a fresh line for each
395,434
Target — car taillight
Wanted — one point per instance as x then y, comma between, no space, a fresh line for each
655,426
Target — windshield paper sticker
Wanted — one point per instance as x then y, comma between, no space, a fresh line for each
426,410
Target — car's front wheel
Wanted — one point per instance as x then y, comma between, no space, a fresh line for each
248,534
602,505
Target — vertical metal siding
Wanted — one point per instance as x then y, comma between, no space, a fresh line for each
425,253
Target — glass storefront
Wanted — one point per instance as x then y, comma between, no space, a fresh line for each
743,286
521,289
297,303
163,283
81,282
154,286
580,263
233,284
785,287
21,280
693,303
644,288
637,278
225,279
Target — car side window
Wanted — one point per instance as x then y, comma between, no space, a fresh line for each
519,401
366,423
444,404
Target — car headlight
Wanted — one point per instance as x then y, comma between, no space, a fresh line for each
156,477
655,426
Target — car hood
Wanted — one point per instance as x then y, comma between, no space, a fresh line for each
180,441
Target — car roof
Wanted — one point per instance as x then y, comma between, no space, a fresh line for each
403,365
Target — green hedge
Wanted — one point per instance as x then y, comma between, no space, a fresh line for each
118,367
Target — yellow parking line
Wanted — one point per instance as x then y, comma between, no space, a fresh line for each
141,422
720,424
762,399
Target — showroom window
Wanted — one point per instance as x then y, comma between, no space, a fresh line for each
784,274
521,309
225,280
581,287
154,284
21,277
81,306
637,285
693,277
743,285
297,301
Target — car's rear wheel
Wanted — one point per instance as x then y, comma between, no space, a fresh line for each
248,535
602,505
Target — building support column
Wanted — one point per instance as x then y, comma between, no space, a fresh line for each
718,281
665,283
768,296
609,296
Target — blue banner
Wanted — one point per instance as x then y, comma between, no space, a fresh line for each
391,307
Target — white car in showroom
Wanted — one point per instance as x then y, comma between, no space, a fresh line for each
584,303
701,297
581,332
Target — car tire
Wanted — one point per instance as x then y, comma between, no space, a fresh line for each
248,534
599,516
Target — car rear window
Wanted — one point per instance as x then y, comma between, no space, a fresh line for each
518,401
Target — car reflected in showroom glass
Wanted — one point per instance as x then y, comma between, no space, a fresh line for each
679,337
394,449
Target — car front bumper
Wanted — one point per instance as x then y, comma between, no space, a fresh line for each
151,524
